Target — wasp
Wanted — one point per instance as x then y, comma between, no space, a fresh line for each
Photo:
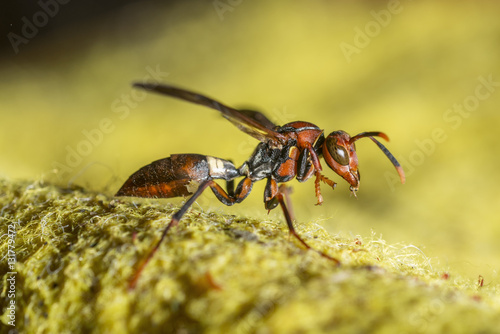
285,152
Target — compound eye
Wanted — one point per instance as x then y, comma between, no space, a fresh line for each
338,153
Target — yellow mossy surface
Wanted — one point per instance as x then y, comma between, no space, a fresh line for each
76,250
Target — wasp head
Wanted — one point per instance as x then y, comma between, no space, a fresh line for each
339,152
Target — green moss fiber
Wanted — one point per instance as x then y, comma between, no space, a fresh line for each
76,250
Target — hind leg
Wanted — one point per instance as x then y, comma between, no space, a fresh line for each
228,198
173,222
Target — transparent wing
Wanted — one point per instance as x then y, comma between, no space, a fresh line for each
251,122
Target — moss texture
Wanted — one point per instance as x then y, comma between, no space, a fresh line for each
76,250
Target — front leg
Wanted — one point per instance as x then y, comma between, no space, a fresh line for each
321,177
306,169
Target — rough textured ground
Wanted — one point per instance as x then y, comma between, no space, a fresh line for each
76,250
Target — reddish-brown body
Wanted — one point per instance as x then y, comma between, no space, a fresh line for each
306,135
178,175
284,152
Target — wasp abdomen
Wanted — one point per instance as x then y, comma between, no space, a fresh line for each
178,175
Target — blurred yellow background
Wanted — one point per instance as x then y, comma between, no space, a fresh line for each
427,73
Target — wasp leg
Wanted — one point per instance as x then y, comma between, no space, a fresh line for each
308,165
320,177
282,197
173,222
317,189
230,188
270,193
231,197
305,168
318,169
314,158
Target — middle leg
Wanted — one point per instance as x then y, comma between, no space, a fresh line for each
282,197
